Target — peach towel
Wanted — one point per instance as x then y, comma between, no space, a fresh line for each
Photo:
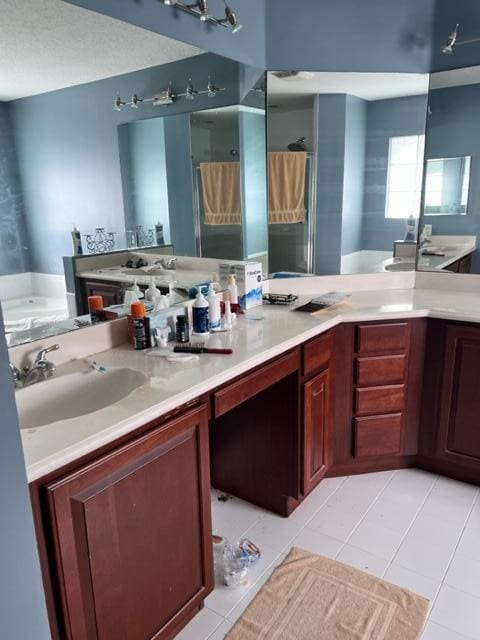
286,186
221,192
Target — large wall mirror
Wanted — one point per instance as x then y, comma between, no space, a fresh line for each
346,157
133,138
450,221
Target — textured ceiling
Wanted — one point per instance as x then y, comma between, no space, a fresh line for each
50,44
369,86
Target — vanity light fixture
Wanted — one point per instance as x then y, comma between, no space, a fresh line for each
212,90
164,98
453,42
199,9
135,101
231,19
118,103
190,92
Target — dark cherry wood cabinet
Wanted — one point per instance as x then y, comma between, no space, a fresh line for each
464,265
316,429
111,292
130,543
255,436
450,436
377,369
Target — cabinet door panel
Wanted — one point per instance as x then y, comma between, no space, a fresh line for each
133,535
459,423
316,429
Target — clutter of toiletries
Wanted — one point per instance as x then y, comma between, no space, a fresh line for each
155,318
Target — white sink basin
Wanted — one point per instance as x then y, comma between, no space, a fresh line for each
73,395
166,274
400,266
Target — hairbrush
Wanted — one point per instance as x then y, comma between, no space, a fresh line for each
199,348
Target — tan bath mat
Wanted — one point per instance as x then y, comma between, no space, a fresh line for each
310,597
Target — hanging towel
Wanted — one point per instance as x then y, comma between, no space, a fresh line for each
286,186
221,192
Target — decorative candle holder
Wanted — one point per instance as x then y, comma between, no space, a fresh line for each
101,241
144,238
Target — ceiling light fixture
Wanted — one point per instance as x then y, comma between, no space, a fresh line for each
199,9
453,42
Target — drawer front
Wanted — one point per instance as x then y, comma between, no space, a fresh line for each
378,338
378,400
380,370
253,383
378,435
317,353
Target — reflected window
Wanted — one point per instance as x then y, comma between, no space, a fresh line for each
447,185
404,180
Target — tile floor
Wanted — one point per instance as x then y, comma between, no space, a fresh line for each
413,528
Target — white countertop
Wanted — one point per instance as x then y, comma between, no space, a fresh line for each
170,385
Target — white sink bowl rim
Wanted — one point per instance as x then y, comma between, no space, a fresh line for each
74,395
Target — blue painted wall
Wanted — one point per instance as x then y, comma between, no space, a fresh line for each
22,604
144,174
353,174
385,119
372,35
68,153
453,129
247,46
14,255
330,173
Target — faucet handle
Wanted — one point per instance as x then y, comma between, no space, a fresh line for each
42,354
16,374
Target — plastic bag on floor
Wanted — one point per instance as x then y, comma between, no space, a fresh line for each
233,561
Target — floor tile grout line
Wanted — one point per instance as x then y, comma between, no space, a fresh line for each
472,506
475,499
284,548
365,514
412,522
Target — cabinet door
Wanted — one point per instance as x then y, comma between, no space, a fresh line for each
316,429
132,535
459,429
111,293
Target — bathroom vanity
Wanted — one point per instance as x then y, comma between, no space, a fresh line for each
122,500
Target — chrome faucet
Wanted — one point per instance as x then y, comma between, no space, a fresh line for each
17,375
41,369
170,264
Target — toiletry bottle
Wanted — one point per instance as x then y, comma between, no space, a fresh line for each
200,314
159,239
232,290
411,229
213,310
77,242
182,329
137,290
227,320
152,290
141,326
96,310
